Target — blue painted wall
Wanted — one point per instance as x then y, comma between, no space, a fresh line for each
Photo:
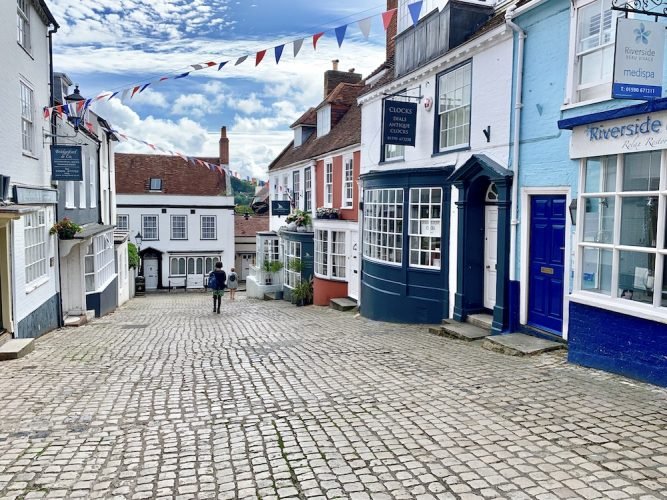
105,301
618,343
41,320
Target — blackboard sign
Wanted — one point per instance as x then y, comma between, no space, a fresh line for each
400,120
280,207
66,163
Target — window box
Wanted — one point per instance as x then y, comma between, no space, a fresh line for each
327,213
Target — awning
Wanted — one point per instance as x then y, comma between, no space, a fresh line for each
611,114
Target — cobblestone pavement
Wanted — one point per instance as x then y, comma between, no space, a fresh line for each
164,399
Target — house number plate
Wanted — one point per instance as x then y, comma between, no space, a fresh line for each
547,270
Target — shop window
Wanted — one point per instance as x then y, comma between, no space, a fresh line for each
425,227
454,89
99,262
36,248
621,253
177,266
292,254
383,225
330,255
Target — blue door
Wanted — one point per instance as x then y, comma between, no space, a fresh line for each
547,262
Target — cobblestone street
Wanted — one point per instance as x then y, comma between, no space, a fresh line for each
164,399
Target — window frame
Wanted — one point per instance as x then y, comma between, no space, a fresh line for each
292,252
439,115
182,217
126,218
144,233
27,102
178,261
328,182
102,270
324,120
215,227
36,248
375,209
418,237
308,189
23,35
296,188
159,182
329,253
348,182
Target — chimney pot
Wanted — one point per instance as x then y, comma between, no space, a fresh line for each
335,64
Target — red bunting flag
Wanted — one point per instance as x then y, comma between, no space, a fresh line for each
79,106
135,90
47,113
387,17
316,38
260,55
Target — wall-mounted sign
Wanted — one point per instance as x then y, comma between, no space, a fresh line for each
66,163
638,59
623,135
35,196
280,207
400,123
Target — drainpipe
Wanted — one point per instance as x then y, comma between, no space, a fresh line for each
516,136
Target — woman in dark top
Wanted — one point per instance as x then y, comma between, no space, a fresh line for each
219,289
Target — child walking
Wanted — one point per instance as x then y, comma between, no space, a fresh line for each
232,284
217,281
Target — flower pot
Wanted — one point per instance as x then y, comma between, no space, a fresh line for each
66,235
301,229
291,226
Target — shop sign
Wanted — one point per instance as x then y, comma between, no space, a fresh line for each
280,207
430,228
66,163
400,123
623,135
638,59
35,196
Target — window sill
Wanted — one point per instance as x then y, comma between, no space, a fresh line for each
394,160
28,154
454,149
31,287
27,51
621,306
581,104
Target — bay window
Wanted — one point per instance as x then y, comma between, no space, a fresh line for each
453,123
292,253
330,254
36,246
383,225
99,262
425,227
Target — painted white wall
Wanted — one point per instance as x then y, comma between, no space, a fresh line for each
123,274
277,181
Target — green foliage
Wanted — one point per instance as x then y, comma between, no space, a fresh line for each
300,217
272,266
295,265
303,291
242,210
243,191
132,256
65,229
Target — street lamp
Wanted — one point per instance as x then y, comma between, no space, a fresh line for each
76,112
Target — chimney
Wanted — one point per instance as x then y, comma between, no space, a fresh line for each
392,30
224,147
334,76
335,64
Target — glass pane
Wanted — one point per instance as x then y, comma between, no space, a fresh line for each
191,266
639,221
600,175
599,219
642,171
596,271
635,276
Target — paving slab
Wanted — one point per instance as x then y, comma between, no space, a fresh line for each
16,348
519,344
464,331
481,320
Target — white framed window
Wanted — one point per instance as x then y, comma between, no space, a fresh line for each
296,188
328,183
292,254
307,190
177,266
425,227
323,120
594,49
394,152
83,186
348,182
270,251
123,222
454,89
36,246
155,184
149,227
27,118
23,24
209,264
99,262
621,245
383,225
179,227
209,227
92,181
69,194
298,136
285,189
330,254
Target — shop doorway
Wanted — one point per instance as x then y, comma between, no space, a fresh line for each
546,262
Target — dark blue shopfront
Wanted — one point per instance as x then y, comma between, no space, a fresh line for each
405,262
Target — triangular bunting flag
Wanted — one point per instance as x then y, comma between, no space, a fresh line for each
415,10
279,52
297,46
222,64
124,96
365,27
112,96
316,38
340,34
182,75
135,90
47,113
144,88
240,60
79,106
387,17
260,55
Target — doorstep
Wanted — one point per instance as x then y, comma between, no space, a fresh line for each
17,348
519,344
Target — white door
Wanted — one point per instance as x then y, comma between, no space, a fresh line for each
150,273
353,266
490,255
247,260
195,278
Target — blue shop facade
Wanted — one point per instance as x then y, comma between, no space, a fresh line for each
618,306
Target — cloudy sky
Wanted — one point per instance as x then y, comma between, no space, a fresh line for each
107,45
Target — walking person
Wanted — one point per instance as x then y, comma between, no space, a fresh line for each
216,282
232,283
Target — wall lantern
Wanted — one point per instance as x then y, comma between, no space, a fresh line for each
76,112
573,212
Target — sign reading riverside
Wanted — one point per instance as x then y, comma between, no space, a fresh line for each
638,60
400,120
624,135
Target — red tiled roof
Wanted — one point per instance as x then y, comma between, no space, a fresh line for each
254,224
134,171
308,118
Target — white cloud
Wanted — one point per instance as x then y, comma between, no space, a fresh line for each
250,105
151,97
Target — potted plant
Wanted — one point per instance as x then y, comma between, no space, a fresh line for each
327,213
302,293
65,229
295,265
298,219
271,267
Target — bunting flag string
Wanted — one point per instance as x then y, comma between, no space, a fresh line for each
340,32
415,9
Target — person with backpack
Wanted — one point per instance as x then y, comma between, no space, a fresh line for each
216,282
232,283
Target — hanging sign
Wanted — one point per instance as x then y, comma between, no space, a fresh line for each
638,59
66,163
280,207
400,123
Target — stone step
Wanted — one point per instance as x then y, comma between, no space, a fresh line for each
273,295
76,320
342,304
480,320
17,348
519,344
5,337
463,331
